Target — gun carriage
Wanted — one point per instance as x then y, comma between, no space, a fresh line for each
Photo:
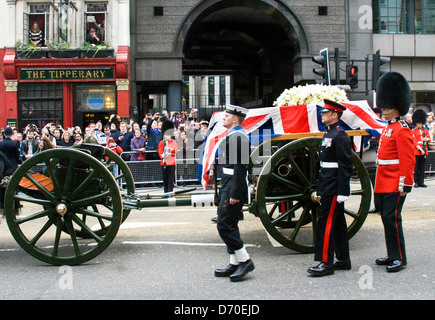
69,210
77,206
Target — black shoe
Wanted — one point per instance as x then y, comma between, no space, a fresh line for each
416,186
322,269
242,270
383,261
342,265
214,219
396,265
226,272
423,185
374,210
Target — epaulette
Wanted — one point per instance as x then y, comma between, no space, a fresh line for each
403,123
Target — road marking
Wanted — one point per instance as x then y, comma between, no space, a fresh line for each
272,241
176,243
134,225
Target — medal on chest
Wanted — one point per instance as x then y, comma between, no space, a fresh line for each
389,132
326,142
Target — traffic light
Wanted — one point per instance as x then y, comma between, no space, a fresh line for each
352,76
323,60
377,71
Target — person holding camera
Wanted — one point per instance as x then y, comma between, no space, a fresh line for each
30,146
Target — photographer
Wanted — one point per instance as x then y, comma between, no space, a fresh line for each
30,145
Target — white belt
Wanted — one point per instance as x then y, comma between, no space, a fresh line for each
387,162
228,171
329,164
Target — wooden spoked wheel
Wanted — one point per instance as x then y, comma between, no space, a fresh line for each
54,198
286,189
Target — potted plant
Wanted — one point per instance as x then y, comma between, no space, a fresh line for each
30,51
62,50
97,51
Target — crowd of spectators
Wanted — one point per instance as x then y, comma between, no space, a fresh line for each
134,141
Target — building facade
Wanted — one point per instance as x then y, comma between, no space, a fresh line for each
265,46
201,54
64,62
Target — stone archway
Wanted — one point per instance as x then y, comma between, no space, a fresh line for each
257,42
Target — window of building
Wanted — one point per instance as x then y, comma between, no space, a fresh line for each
211,91
425,16
36,25
404,16
96,22
40,103
95,98
222,91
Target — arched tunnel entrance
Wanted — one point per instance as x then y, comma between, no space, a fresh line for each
250,45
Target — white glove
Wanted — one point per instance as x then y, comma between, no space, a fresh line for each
341,199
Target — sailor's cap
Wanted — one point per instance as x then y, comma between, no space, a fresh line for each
236,110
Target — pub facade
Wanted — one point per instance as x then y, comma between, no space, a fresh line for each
74,71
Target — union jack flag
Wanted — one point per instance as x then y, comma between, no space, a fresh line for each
264,123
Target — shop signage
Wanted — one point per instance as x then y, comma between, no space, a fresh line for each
67,74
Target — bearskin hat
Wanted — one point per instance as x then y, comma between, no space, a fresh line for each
419,116
167,127
393,92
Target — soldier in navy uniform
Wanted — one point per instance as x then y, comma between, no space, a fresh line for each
234,160
396,161
333,189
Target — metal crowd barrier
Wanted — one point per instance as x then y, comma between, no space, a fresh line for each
430,162
150,171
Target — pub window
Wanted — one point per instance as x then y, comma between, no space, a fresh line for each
95,98
36,25
96,23
40,103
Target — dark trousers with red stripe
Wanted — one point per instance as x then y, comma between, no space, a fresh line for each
331,234
391,214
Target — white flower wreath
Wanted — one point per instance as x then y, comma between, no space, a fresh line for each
309,94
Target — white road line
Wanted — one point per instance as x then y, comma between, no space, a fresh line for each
176,243
133,225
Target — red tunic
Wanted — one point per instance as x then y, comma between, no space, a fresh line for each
419,146
396,160
170,158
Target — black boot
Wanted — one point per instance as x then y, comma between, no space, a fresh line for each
226,272
322,269
242,270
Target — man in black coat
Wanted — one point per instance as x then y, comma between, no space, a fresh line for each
123,139
334,188
10,148
234,161
30,146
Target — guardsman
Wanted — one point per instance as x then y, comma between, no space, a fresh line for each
421,140
234,160
334,189
396,161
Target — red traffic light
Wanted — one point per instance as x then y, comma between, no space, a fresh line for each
353,70
352,76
